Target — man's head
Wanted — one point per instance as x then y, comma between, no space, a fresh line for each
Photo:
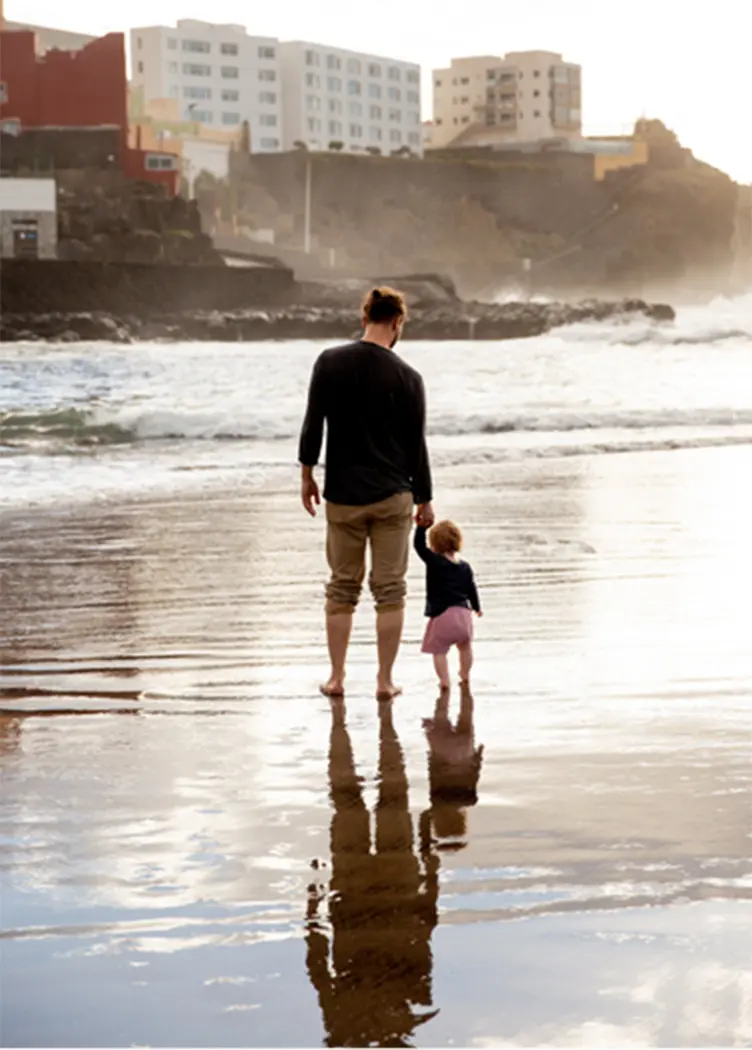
384,314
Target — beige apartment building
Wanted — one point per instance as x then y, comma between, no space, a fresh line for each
525,96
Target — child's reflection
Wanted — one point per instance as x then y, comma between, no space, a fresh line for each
454,764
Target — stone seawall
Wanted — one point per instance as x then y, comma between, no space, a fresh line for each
45,286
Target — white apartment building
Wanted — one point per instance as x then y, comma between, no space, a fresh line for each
524,97
362,101
220,75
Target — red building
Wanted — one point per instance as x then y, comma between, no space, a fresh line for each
76,89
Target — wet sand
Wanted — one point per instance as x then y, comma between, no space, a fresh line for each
199,850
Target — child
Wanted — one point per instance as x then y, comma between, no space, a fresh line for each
450,595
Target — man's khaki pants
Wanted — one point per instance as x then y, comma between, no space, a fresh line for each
387,525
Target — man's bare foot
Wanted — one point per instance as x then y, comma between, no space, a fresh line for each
335,687
387,691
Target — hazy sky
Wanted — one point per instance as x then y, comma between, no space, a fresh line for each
689,65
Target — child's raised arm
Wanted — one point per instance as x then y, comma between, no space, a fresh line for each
422,549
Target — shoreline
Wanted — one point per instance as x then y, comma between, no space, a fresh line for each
446,321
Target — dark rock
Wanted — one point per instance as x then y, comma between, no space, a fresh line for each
439,322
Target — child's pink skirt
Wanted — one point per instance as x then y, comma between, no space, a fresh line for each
453,627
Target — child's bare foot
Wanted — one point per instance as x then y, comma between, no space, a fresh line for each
335,687
444,687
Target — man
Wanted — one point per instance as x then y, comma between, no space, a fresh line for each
376,469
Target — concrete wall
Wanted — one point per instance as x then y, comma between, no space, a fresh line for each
45,286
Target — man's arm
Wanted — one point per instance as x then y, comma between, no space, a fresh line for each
420,467
311,436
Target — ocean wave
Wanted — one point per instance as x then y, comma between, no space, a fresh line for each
76,426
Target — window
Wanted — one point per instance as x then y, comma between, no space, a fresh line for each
228,49
172,67
374,69
268,120
375,134
203,116
437,83
314,124
333,62
355,109
394,94
267,74
230,95
266,52
313,102
311,58
335,105
140,67
174,91
439,120
335,127
395,135
395,116
191,69
172,43
356,131
536,73
465,80
353,66
230,118
140,42
412,76
466,120
536,94
230,72
270,143
334,83
464,101
375,112
394,73
507,118
414,118
506,77
202,46
269,97
159,162
413,97
353,87
313,80
374,90
197,92
490,74
536,113
414,138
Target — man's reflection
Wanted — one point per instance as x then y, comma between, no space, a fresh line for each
454,764
382,905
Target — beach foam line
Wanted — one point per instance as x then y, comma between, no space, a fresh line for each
71,425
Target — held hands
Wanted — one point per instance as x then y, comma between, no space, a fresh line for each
424,516
309,493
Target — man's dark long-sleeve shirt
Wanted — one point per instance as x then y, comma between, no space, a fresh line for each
375,410
448,582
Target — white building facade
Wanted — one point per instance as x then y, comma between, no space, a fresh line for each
355,101
219,74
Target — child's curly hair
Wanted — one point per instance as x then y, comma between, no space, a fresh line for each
445,538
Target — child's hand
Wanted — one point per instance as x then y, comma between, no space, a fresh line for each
479,613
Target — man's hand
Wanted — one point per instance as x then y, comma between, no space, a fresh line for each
309,491
424,515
